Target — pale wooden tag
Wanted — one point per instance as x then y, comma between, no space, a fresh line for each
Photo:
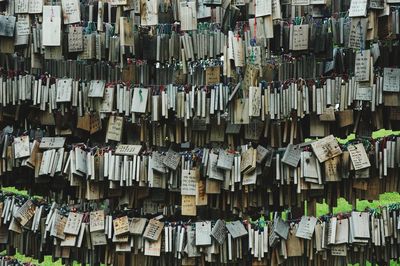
345,118
124,149
172,159
225,160
188,205
114,129
213,75
241,111
73,223
358,156
121,225
362,65
326,148
96,88
98,238
294,244
248,160
332,169
96,221
153,230
64,90
201,196
292,155
52,142
127,36
25,213
152,248
137,226
58,225
339,250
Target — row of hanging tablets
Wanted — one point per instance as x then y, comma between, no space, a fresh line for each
69,30
96,236
336,100
233,180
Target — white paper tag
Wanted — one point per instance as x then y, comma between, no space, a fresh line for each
362,65
7,25
52,142
22,29
236,229
342,231
189,181
71,11
358,8
64,90
306,227
188,15
51,26
107,104
118,2
96,88
124,149
300,37
391,79
358,31
21,6
363,92
149,12
35,6
153,230
139,101
21,147
292,155
75,39
263,8
300,2
203,231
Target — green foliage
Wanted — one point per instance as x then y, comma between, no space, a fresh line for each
47,260
361,205
15,191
